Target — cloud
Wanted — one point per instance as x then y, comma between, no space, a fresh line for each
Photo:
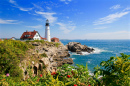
48,16
66,27
13,2
25,9
38,7
66,1
100,28
109,35
110,18
8,21
17,6
115,7
48,8
126,9
36,27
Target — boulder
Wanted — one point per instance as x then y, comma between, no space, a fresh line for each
68,61
77,47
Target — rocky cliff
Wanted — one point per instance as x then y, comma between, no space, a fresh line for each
45,55
78,48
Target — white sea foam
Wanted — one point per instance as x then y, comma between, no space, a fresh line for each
73,58
88,62
96,51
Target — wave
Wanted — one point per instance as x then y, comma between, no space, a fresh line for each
96,51
73,58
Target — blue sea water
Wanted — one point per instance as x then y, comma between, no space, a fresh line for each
104,49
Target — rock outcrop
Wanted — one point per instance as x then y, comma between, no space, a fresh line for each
78,48
47,56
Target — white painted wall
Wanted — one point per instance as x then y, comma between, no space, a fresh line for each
47,34
37,37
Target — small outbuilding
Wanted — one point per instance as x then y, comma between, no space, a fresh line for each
43,39
54,39
13,38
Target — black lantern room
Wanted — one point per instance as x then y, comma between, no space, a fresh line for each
47,22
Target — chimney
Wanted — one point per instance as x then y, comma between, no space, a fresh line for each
26,30
34,30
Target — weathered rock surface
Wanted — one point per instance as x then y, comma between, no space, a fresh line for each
55,57
78,48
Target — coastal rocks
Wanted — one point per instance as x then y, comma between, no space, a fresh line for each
78,48
45,56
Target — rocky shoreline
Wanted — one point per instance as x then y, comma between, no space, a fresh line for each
78,48
49,56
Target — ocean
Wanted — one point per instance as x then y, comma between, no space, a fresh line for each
104,49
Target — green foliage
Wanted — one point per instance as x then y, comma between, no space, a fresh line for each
78,75
44,55
116,71
57,44
11,52
42,41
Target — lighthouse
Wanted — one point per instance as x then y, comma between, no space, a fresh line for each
47,31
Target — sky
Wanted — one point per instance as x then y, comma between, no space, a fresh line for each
69,19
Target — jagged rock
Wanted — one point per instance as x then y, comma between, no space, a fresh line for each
68,61
36,43
77,47
58,59
79,52
54,64
59,63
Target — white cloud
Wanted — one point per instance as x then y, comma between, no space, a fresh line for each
100,28
66,27
36,27
25,9
66,1
20,8
110,18
109,35
48,8
8,21
48,16
13,2
38,7
115,7
126,9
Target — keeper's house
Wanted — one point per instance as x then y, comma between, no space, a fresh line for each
31,35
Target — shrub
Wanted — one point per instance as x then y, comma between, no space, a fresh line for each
44,55
57,44
116,71
11,51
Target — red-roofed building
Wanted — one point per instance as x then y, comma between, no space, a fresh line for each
13,38
43,38
54,39
31,35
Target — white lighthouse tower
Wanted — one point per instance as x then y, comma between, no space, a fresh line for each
47,31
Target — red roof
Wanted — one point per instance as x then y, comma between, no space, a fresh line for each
43,38
32,34
54,38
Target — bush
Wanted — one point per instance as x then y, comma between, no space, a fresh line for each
116,71
57,44
42,41
44,55
11,52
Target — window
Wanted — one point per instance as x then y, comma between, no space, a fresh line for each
27,35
